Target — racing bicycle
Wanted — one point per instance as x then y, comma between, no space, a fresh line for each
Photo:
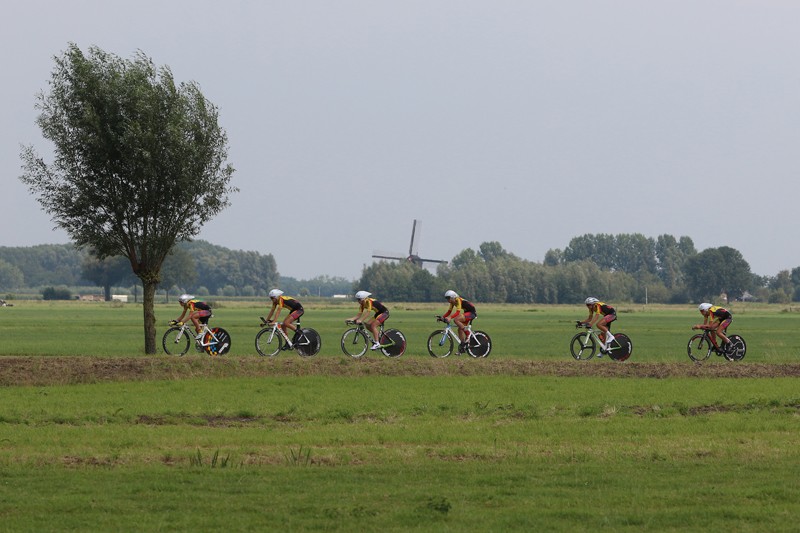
700,347
442,341
272,339
178,339
356,340
584,345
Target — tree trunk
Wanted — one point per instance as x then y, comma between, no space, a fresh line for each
148,300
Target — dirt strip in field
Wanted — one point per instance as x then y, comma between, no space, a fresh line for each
40,371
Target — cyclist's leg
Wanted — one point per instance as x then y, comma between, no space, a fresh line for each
712,334
374,326
288,323
720,330
604,325
198,317
461,321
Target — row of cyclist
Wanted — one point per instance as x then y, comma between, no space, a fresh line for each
368,332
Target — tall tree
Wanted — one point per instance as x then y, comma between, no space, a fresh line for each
140,162
717,270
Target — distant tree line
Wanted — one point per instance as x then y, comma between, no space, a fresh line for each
196,266
625,267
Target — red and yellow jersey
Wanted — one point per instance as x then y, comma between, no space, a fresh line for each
371,304
602,308
288,301
460,304
719,313
197,305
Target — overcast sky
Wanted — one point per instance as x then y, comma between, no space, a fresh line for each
526,122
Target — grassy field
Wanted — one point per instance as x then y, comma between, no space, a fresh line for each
331,443
659,333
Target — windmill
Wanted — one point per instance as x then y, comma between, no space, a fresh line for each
413,256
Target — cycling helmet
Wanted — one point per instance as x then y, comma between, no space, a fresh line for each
591,300
360,295
183,298
450,294
704,306
274,293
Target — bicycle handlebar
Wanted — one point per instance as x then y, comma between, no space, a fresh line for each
581,324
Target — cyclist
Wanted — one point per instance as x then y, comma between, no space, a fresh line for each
279,301
602,315
464,314
367,304
716,319
197,312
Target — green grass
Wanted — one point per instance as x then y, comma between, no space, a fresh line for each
659,333
400,453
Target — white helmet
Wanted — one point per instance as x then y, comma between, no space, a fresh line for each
274,293
360,295
704,306
183,298
591,300
450,294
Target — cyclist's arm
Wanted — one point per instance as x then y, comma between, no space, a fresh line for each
271,311
449,310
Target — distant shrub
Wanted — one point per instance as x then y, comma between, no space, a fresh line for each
52,293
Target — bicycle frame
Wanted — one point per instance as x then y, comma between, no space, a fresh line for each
583,345
448,330
206,330
441,342
697,352
360,326
276,327
178,338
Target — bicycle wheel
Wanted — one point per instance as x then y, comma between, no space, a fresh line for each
175,342
396,342
582,346
308,343
621,347
737,352
699,347
219,341
354,342
267,344
479,344
440,344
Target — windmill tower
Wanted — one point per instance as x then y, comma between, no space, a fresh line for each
413,255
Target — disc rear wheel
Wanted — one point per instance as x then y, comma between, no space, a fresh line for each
738,349
479,344
219,343
621,347
308,343
393,343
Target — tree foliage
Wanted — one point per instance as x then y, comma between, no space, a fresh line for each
140,162
715,271
106,272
